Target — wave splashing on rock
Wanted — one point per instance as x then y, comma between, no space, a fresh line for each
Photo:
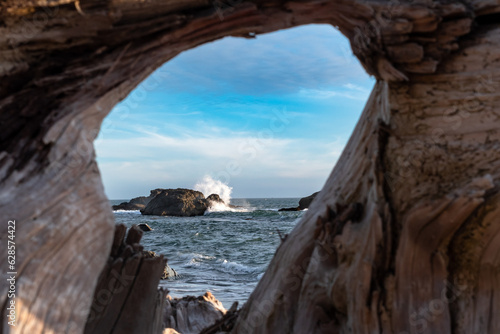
210,186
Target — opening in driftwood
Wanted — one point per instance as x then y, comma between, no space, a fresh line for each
404,237
267,116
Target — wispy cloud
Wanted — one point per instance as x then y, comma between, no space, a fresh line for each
283,62
349,91
270,115
155,160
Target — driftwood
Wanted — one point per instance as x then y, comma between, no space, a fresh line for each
422,161
423,255
224,324
189,315
126,298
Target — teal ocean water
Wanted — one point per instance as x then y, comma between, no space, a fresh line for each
225,252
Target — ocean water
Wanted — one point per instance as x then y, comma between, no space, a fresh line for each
225,252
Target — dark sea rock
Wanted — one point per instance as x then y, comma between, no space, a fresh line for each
168,272
215,198
306,201
177,202
145,227
290,209
303,203
137,203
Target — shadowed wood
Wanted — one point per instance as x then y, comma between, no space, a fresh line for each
126,298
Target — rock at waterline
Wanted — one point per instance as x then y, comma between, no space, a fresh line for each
215,198
180,202
137,203
145,227
290,209
168,272
177,202
303,203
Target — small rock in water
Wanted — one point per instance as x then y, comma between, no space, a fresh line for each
215,198
168,272
145,227
289,209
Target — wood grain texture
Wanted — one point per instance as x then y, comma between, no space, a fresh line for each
429,130
424,162
126,298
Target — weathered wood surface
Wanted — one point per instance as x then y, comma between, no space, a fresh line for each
126,298
426,145
192,314
424,257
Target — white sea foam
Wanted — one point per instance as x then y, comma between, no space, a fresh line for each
209,186
127,211
235,267
219,207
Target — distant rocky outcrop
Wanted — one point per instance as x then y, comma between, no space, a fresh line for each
306,201
303,203
180,202
137,203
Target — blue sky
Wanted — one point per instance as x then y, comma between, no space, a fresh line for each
268,116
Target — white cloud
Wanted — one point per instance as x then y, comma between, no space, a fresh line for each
156,160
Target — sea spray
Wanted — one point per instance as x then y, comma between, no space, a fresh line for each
209,186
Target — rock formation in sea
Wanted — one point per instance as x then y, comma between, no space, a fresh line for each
404,236
137,203
180,202
303,203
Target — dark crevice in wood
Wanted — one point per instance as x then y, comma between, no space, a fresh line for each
490,19
391,229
